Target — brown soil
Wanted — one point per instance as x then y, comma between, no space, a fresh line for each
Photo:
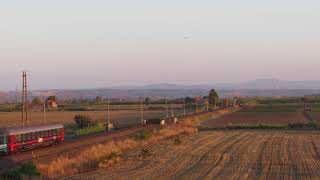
255,118
223,155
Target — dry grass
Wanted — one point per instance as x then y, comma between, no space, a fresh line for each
106,155
224,155
99,155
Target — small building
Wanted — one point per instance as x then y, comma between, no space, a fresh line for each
52,104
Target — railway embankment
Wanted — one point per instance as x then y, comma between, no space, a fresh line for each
106,155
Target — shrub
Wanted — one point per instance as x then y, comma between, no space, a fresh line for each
12,174
111,159
27,169
145,152
310,125
83,121
177,140
145,134
296,125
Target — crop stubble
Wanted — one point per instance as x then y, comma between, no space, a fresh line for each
225,155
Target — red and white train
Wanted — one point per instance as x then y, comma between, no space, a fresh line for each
16,139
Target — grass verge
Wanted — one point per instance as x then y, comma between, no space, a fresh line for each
108,154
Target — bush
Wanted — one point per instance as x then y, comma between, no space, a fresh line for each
145,153
12,174
83,121
296,125
309,125
177,140
145,134
27,169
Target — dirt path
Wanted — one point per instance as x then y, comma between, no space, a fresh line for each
224,155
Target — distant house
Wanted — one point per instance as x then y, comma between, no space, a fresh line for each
52,104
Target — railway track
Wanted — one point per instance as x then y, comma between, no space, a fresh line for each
70,146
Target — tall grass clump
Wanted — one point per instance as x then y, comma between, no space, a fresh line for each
105,155
108,154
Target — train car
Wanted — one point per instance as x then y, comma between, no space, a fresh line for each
21,138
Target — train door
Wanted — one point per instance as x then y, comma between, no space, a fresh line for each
3,144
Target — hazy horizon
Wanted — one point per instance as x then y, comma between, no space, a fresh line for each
80,44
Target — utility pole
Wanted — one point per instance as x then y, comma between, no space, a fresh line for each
17,95
44,111
167,110
196,106
207,105
25,101
184,107
108,113
172,115
141,111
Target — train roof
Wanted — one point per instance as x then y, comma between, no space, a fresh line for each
21,130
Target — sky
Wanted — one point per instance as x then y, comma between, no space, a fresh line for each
74,44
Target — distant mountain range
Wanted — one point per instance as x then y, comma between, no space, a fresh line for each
260,87
259,84
272,84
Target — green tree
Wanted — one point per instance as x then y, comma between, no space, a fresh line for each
147,101
36,101
213,98
98,99
52,98
189,100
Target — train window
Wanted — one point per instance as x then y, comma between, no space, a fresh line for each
42,133
46,133
17,138
33,135
58,131
36,134
23,137
54,132
28,136
1,139
50,132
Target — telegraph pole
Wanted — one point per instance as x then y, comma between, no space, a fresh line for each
167,110
22,100
108,113
141,111
44,111
184,107
196,106
172,115
25,101
207,105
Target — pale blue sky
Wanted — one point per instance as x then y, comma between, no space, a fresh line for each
91,43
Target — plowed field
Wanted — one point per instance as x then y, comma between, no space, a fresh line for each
224,155
253,118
